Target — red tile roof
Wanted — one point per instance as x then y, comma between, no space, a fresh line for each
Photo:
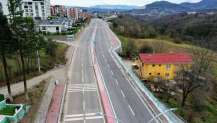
166,58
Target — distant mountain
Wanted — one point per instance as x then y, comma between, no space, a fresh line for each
114,7
204,4
166,8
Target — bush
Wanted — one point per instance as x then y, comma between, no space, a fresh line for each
9,110
146,49
2,97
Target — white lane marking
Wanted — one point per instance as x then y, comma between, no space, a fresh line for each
95,117
131,110
73,119
76,91
123,94
103,56
84,107
112,73
74,115
116,81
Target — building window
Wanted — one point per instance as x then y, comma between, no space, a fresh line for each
158,74
150,74
167,75
43,28
159,65
168,66
153,65
1,8
57,29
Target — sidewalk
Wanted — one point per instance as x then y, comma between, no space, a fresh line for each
53,112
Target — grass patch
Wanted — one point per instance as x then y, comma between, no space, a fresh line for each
8,110
35,95
1,97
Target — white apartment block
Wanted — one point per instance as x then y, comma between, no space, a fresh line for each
36,8
31,8
4,7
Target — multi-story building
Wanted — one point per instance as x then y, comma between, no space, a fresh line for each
58,10
4,7
162,66
36,8
31,8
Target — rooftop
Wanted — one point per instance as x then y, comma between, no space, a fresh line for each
57,21
166,58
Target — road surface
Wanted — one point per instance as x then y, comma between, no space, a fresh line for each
82,100
129,105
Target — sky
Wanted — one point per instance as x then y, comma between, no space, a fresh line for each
87,3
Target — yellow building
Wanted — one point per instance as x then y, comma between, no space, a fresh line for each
162,66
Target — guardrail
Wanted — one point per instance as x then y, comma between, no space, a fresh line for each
170,116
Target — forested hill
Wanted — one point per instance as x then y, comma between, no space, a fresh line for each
199,29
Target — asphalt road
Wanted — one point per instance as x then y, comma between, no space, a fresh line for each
82,98
129,105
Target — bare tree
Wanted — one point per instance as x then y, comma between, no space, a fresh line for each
190,80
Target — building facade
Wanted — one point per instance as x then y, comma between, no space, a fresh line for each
58,10
162,66
38,9
58,25
4,7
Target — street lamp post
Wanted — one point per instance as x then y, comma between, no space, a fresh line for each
162,113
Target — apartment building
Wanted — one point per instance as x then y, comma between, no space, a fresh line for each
4,7
38,9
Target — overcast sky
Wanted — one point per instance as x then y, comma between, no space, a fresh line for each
111,2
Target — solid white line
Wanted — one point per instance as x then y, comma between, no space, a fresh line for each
95,117
116,81
84,107
74,115
76,91
123,94
131,110
112,73
73,119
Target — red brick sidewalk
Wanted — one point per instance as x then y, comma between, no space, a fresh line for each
54,110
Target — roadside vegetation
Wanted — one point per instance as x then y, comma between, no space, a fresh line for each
24,52
35,97
194,93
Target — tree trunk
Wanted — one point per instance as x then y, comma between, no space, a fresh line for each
184,97
18,64
6,74
38,61
24,73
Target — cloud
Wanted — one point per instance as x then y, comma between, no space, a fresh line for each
112,2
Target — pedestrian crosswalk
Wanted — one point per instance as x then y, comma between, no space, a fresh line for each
81,117
81,87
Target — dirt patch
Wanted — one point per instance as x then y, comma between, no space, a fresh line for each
35,94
